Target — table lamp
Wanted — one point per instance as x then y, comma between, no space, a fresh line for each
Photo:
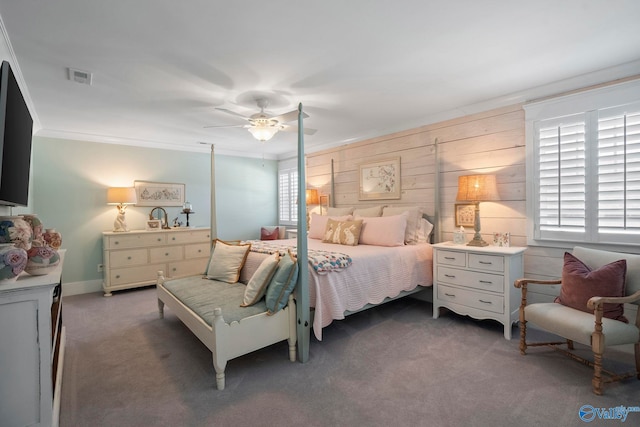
476,189
121,197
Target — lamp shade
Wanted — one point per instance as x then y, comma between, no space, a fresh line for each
477,188
121,196
312,197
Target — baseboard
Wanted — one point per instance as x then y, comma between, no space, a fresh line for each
86,287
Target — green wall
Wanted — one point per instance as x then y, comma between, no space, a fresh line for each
70,180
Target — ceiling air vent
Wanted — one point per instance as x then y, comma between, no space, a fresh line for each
79,76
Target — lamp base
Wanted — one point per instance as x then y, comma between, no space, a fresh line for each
475,242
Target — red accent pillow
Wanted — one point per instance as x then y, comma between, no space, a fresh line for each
269,235
579,283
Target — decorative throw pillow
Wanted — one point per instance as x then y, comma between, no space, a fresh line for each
318,224
579,283
257,286
343,232
282,284
266,234
424,231
226,261
414,214
374,211
384,230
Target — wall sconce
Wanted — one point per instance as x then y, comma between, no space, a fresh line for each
121,197
476,189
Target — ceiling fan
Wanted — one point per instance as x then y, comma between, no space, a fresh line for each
262,126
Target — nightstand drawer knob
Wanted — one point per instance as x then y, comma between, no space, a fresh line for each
485,262
450,258
485,302
450,276
486,282
450,295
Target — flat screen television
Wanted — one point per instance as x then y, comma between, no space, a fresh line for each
16,127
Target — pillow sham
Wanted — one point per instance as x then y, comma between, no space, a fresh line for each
226,261
424,231
374,211
339,211
266,234
343,232
414,215
257,285
282,284
579,283
384,230
318,224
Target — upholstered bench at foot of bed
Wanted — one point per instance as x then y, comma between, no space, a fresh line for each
211,310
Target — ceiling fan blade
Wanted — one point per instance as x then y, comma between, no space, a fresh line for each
289,117
226,126
233,113
290,128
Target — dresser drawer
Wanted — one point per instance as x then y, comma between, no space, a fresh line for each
146,273
167,253
486,262
136,240
189,237
471,279
187,268
458,259
199,250
492,303
128,258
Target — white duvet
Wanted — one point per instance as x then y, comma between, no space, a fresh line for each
377,272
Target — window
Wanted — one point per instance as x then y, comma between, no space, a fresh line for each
287,194
583,157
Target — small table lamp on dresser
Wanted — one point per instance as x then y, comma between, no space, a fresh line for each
476,189
121,197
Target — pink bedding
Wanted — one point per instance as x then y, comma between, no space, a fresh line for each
376,273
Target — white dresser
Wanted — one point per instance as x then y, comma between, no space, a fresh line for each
31,349
132,259
478,281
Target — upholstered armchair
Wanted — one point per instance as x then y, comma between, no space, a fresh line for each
589,325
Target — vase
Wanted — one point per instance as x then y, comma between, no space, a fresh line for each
41,260
14,229
13,261
37,228
52,238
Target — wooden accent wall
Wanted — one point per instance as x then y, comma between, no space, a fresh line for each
489,142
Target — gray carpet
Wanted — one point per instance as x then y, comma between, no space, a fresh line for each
391,365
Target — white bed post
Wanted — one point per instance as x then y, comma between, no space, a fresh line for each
214,231
302,292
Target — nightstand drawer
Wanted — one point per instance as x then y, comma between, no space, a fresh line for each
452,258
493,303
486,262
471,279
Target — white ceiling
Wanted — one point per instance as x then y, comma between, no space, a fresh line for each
361,68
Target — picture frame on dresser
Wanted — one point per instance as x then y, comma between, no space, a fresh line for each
159,193
153,225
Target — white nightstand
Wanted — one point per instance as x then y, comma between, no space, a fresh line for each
478,281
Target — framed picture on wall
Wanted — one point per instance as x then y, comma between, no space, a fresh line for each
380,180
465,215
159,193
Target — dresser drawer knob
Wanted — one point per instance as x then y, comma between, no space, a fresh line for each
166,254
159,239
199,250
485,302
117,276
486,282
486,262
174,269
128,257
173,238
450,258
116,243
450,276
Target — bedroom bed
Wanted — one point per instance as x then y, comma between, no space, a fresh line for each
376,274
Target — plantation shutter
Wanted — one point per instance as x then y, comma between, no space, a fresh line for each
561,170
287,193
619,173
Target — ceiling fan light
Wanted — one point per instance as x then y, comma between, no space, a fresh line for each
263,134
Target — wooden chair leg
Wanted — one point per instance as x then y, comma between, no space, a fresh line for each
597,373
597,345
523,336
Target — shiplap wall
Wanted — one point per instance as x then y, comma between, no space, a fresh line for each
492,142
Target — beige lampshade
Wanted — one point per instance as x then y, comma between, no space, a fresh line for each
121,196
477,188
312,197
